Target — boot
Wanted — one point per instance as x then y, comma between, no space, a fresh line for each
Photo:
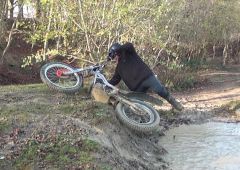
177,105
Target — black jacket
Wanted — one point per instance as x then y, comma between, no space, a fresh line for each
130,68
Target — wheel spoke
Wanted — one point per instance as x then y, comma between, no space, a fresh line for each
137,117
63,81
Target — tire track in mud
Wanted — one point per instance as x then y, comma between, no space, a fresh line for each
139,151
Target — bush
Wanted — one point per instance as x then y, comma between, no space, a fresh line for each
178,78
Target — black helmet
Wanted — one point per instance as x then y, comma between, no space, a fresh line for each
113,50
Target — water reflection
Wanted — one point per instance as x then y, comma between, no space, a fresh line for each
206,146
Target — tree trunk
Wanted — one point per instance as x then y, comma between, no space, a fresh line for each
6,9
1,17
10,36
11,8
9,41
238,57
214,51
88,49
20,7
225,55
3,7
38,9
45,48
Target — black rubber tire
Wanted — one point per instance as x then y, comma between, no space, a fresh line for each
140,127
52,85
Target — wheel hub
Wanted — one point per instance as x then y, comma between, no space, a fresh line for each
60,72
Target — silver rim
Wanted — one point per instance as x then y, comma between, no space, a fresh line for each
68,81
146,119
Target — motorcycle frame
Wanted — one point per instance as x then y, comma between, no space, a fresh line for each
100,76
96,71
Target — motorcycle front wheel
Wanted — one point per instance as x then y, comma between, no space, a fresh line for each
147,122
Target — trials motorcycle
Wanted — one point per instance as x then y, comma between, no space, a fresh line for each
132,112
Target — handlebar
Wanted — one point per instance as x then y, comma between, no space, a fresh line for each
99,66
88,69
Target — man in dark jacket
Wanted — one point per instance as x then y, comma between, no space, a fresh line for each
136,74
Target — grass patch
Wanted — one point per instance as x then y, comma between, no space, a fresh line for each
21,106
105,167
88,110
85,157
23,103
4,124
196,63
36,88
58,152
12,116
20,114
232,106
30,88
179,78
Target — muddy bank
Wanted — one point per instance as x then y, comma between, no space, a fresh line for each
37,123
34,118
34,113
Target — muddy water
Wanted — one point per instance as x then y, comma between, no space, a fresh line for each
212,146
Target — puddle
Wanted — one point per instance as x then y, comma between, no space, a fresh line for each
212,146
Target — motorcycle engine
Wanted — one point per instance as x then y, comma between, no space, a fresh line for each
99,94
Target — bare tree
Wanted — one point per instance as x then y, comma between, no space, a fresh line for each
3,5
11,8
20,7
38,8
10,37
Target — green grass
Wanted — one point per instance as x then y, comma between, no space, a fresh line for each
21,114
89,110
4,124
58,153
25,88
23,103
232,106
21,106
105,167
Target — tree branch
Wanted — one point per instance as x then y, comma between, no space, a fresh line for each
10,37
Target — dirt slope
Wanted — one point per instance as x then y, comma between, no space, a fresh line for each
34,113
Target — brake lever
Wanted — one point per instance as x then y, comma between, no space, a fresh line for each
102,65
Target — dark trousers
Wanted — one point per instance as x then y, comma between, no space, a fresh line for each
152,83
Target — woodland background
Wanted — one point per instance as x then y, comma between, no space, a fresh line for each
177,38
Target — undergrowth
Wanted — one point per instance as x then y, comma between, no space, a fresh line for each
178,77
232,106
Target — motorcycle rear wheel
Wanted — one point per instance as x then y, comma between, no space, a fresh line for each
52,74
142,123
